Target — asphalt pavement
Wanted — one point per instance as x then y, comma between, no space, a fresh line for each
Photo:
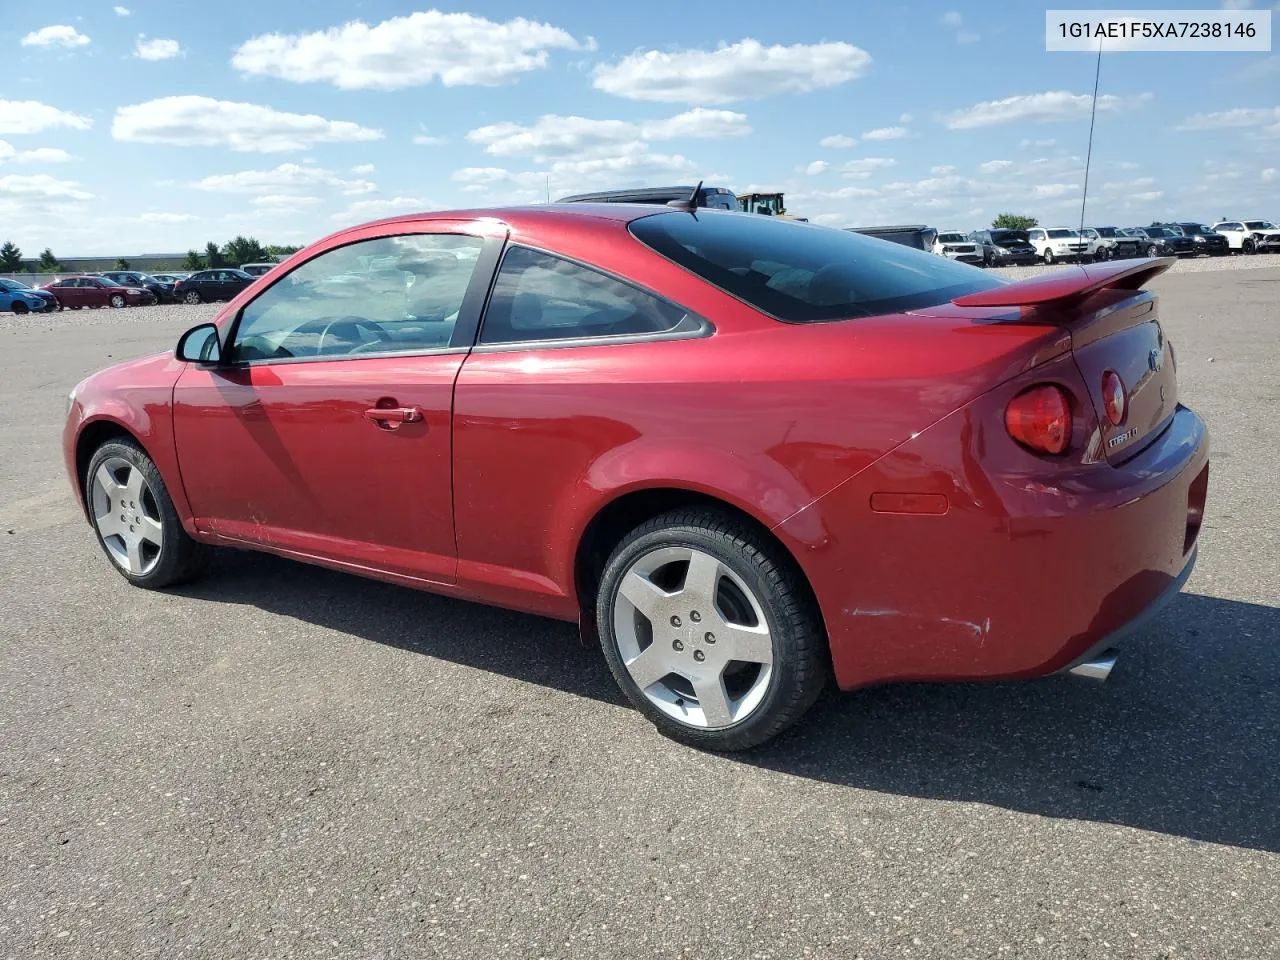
280,761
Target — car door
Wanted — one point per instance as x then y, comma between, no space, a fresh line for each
95,292
327,432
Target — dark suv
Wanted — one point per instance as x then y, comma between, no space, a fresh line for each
1001,247
163,292
1163,242
1206,239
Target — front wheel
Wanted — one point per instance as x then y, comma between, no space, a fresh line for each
19,307
710,631
134,519
191,296
1152,251
1048,256
1248,247
117,300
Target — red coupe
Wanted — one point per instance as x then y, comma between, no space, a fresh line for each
746,453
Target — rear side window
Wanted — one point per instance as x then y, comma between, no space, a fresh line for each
538,296
803,273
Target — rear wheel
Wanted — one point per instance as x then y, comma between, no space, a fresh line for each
191,296
1248,247
1048,255
1152,251
134,519
117,300
710,632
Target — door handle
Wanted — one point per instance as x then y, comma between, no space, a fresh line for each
393,416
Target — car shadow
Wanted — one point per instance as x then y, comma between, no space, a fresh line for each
1182,739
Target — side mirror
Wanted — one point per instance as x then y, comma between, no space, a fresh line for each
200,345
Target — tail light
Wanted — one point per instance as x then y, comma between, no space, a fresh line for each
1040,419
1113,397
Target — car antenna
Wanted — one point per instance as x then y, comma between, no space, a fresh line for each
691,204
1093,114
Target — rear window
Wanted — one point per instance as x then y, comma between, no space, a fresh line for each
803,273
1259,225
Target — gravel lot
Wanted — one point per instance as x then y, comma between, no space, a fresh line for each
286,762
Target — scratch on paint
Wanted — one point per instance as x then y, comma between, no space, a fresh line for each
980,631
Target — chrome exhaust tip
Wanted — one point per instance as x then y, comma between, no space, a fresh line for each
1099,668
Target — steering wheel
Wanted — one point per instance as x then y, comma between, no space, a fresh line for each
354,324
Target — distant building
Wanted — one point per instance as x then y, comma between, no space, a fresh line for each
144,262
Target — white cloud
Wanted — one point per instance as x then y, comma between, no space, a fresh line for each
906,118
1056,105
425,140
156,48
740,71
284,200
59,35
1237,117
1270,175
838,142
363,169
1236,4
375,209
886,133
42,186
942,170
1148,196
456,48
284,177
168,217
1037,143
191,121
480,175
952,18
817,167
864,168
121,11
995,166
1047,191
29,116
11,154
968,36
555,136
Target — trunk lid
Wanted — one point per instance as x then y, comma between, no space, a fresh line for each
1114,326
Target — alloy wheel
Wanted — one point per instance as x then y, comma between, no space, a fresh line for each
693,637
117,301
127,516
192,296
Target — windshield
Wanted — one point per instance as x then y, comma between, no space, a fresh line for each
1157,232
12,285
952,238
1009,236
108,282
1106,232
801,273
1061,234
1259,224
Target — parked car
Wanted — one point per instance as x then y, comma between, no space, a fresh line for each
1110,243
257,269
702,438
1250,236
1059,243
719,198
1207,240
221,284
131,278
1003,247
170,277
918,236
956,246
17,297
1161,242
73,293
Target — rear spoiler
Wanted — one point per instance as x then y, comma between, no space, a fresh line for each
1064,287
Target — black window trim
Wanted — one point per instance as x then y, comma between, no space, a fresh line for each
465,330
704,326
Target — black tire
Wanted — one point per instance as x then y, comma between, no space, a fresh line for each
1048,257
191,297
19,307
118,301
180,557
1248,247
1152,251
801,660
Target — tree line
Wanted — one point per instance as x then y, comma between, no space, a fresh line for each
230,254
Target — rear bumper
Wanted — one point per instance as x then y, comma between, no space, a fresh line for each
1022,576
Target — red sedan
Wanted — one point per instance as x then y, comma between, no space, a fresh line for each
746,453
72,293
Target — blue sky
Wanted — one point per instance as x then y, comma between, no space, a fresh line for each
157,125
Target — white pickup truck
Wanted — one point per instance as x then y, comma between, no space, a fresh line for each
1250,236
1060,243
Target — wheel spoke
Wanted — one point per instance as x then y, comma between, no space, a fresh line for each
702,578
134,485
109,486
642,593
133,546
748,644
108,524
151,531
651,666
714,701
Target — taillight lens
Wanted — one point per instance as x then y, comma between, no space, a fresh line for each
1040,419
1113,397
